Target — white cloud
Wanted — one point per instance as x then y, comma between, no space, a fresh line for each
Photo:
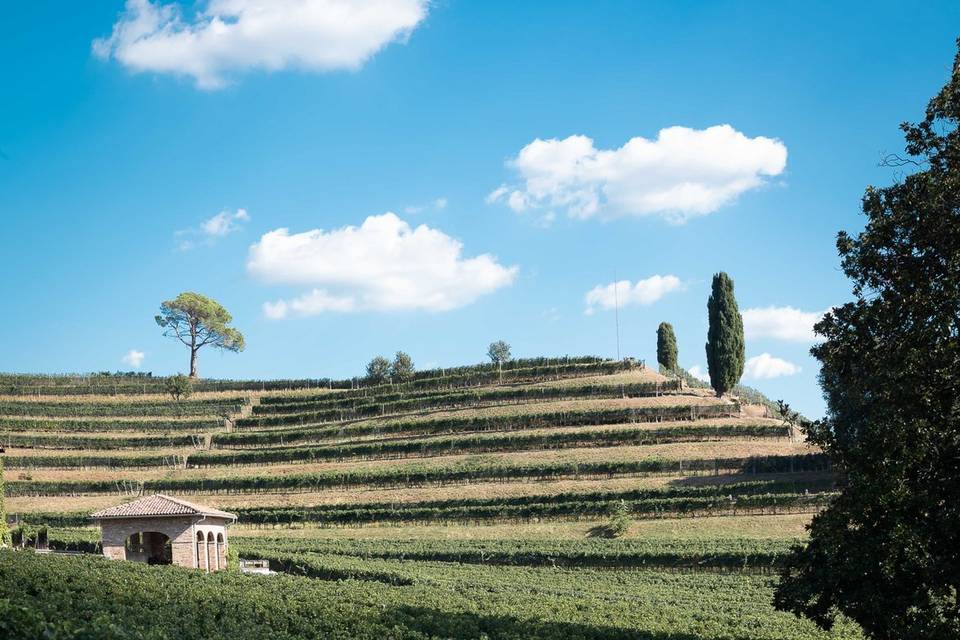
643,292
781,323
551,315
382,265
681,174
498,193
439,205
765,366
225,36
133,358
222,224
697,372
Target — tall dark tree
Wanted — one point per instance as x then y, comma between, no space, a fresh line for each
667,347
198,321
886,552
725,343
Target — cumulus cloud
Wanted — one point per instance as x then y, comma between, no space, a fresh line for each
224,36
781,323
643,292
382,265
222,224
698,372
134,358
681,174
765,366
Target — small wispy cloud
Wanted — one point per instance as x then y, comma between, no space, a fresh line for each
134,358
212,229
438,204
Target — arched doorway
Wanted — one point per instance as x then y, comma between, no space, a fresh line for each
201,551
221,552
151,547
211,552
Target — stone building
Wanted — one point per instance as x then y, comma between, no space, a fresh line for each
159,529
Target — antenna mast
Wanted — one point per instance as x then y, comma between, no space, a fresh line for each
616,309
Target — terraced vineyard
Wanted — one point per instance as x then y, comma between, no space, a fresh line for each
460,483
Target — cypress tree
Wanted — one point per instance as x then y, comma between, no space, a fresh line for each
667,347
725,343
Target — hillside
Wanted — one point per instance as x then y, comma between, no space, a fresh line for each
561,443
466,478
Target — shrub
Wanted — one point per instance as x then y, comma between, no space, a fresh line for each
179,387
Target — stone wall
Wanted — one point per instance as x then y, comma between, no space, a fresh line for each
183,533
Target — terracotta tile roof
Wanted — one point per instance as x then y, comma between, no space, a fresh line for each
159,505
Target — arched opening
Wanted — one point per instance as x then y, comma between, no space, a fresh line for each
200,551
151,547
221,552
211,552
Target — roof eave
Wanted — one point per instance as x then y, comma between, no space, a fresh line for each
222,516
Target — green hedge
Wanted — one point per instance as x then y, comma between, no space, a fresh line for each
60,441
117,424
487,443
461,424
677,500
418,475
119,409
74,461
732,553
295,411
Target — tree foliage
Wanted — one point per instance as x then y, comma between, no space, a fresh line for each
401,369
499,352
725,342
378,370
180,387
198,321
667,347
886,553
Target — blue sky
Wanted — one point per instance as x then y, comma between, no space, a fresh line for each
115,156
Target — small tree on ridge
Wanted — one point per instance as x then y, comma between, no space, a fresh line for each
378,370
499,352
401,369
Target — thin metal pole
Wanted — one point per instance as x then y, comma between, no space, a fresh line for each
616,309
